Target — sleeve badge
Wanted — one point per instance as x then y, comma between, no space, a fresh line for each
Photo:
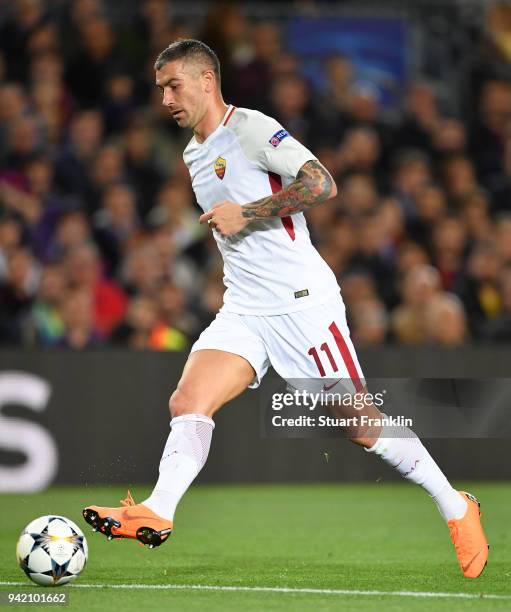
278,137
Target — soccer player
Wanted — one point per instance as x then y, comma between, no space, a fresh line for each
282,304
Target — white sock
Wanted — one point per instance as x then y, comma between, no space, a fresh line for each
184,456
402,449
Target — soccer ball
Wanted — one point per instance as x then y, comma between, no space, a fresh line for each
52,550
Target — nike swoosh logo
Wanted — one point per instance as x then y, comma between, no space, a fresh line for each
465,567
128,517
411,469
325,388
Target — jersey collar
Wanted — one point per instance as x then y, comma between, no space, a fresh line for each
224,120
228,114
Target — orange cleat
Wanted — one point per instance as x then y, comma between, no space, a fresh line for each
130,521
469,540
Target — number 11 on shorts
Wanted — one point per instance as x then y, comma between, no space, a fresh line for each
343,350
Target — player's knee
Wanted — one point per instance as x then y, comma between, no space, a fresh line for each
183,402
178,403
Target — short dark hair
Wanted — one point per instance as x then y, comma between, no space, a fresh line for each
189,48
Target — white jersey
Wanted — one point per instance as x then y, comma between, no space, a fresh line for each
270,267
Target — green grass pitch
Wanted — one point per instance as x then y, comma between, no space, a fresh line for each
362,537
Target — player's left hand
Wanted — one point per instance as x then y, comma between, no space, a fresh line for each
225,217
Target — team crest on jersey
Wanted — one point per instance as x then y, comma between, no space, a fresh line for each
278,137
220,166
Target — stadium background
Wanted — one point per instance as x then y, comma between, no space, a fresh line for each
102,258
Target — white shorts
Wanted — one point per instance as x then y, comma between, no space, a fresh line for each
312,344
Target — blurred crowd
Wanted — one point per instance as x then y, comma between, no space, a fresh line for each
99,237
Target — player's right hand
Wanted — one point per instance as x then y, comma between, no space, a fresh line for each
225,217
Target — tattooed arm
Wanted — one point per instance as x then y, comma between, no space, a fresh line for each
313,185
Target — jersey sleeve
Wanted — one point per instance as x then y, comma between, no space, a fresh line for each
266,143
